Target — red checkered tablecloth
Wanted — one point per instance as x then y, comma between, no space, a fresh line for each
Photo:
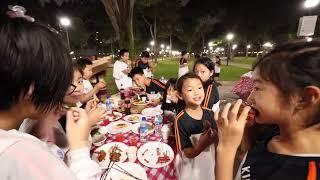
165,173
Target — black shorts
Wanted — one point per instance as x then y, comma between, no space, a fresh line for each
216,74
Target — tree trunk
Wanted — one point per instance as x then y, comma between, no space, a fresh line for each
170,44
120,13
155,39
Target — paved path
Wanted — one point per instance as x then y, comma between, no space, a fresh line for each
225,92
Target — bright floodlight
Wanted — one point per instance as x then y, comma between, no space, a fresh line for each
162,46
210,44
309,39
168,47
148,49
234,46
152,43
311,3
267,45
64,21
211,48
230,36
248,46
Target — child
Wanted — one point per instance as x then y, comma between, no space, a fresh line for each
121,69
204,68
151,85
286,93
170,98
183,64
89,91
217,68
193,131
144,62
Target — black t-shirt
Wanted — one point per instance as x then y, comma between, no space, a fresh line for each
263,164
211,96
142,65
185,126
155,86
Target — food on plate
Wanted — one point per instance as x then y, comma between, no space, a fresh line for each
114,153
121,125
101,155
135,118
113,116
163,159
150,127
144,152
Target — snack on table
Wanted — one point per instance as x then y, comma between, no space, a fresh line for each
121,125
101,155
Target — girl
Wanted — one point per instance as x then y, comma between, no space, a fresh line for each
286,93
37,73
170,99
217,67
193,131
183,64
204,68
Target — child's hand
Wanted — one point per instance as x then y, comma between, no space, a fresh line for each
206,138
155,102
92,104
174,98
231,126
100,85
95,115
77,128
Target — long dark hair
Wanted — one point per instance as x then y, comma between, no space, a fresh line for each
32,55
210,65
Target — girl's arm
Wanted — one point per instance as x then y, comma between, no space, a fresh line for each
206,139
230,132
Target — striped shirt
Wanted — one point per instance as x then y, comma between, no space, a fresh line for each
211,96
155,86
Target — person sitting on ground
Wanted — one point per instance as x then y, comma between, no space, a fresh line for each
152,86
121,69
144,62
89,92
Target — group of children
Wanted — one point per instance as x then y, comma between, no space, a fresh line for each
286,94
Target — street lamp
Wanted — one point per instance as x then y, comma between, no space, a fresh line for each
309,39
168,47
311,3
148,49
65,22
247,49
162,46
229,38
152,43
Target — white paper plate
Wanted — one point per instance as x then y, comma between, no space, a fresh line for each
114,127
136,128
151,112
132,168
107,148
147,154
114,116
133,118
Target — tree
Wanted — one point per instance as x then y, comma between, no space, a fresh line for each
120,13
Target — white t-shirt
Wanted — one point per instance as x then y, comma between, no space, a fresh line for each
217,68
87,86
119,76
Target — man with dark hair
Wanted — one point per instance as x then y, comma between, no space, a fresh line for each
89,91
183,64
152,86
121,69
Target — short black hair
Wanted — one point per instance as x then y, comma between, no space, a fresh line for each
183,53
183,78
83,62
31,55
122,51
145,54
197,56
136,70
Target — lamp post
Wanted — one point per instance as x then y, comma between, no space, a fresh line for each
65,22
247,49
229,38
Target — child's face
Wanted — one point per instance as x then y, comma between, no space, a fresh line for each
171,91
76,89
192,92
203,72
267,100
125,56
139,80
144,59
87,72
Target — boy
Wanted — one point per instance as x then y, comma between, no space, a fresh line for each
151,85
121,69
89,91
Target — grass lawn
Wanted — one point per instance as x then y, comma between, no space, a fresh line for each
169,68
245,60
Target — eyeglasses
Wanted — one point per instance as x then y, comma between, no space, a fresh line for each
73,87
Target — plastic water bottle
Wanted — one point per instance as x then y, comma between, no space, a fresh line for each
162,80
108,106
158,125
143,129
